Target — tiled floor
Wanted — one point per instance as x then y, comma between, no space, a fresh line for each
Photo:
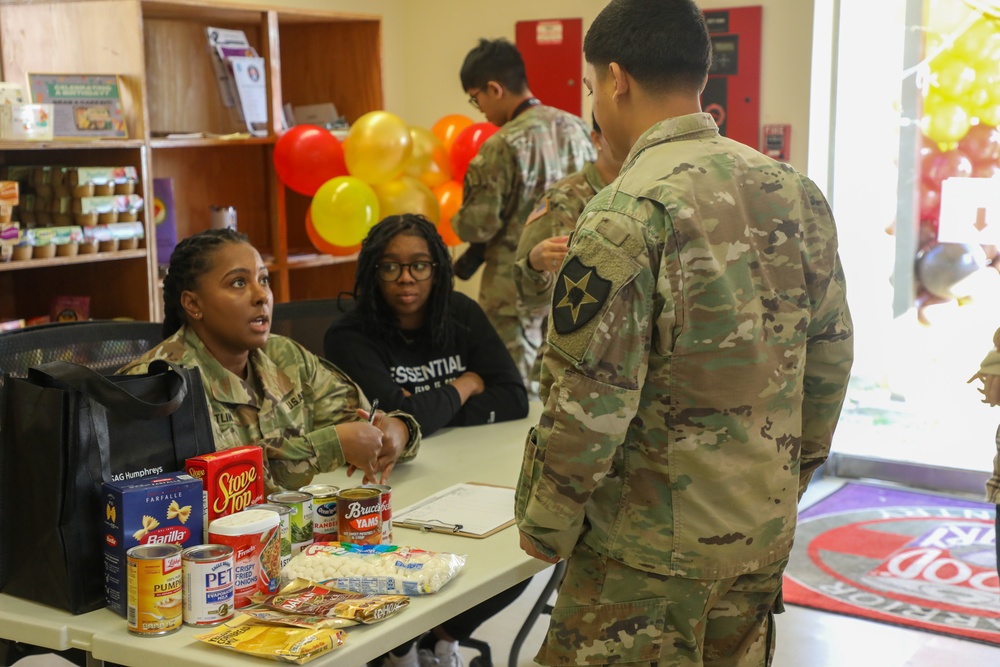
806,638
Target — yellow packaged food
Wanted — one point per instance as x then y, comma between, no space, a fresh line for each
276,642
298,620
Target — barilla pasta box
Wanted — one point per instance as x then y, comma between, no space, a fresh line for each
161,509
232,479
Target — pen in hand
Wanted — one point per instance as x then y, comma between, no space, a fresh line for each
371,413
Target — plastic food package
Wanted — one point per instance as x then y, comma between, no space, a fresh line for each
287,644
311,599
374,568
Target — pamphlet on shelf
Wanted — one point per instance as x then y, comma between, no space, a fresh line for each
470,510
219,38
251,87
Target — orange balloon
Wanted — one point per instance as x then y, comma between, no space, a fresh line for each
449,127
449,196
323,245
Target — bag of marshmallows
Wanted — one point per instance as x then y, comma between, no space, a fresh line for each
374,568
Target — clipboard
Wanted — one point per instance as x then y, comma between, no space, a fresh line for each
470,509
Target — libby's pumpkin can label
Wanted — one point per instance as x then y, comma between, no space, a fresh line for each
359,515
155,603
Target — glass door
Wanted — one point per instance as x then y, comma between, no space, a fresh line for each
913,181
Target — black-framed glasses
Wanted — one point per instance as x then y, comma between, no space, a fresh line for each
474,99
391,271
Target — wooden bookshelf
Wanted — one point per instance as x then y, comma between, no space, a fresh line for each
159,48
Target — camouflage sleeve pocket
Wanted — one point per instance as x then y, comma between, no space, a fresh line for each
529,474
619,633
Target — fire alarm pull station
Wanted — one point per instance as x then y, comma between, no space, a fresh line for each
776,141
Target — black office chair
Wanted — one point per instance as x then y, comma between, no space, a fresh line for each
104,345
306,322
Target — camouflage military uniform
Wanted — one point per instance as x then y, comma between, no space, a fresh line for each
502,185
291,409
555,215
700,347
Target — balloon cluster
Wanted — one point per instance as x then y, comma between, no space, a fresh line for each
384,167
960,114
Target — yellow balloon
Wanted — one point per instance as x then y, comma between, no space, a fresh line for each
407,195
944,120
377,148
429,159
952,75
343,210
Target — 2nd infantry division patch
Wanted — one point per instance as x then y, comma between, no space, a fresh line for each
580,293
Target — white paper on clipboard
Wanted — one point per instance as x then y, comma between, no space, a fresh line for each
474,510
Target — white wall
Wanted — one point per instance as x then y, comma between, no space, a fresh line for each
438,34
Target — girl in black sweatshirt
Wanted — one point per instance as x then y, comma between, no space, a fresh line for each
414,343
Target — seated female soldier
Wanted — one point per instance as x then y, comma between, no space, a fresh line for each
266,389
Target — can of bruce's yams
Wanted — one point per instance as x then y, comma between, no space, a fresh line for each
285,525
324,511
154,589
385,505
301,519
359,515
208,584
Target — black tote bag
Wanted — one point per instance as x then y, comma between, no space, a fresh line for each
64,430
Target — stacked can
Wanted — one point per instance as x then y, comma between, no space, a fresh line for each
324,511
285,528
208,584
385,506
301,519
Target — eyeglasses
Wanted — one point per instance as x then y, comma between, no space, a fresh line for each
474,99
391,271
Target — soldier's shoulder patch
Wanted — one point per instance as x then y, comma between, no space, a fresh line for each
539,211
579,294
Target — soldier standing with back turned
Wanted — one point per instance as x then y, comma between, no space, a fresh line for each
699,353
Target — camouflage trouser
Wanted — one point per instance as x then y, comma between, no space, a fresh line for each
610,614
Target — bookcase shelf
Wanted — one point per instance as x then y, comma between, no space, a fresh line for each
159,47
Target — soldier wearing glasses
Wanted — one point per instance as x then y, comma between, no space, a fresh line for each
536,146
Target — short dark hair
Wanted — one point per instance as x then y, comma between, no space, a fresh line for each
497,60
593,123
662,44
378,317
188,262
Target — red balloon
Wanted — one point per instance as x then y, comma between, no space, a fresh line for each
466,146
306,157
946,165
981,143
986,170
930,202
323,245
928,153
